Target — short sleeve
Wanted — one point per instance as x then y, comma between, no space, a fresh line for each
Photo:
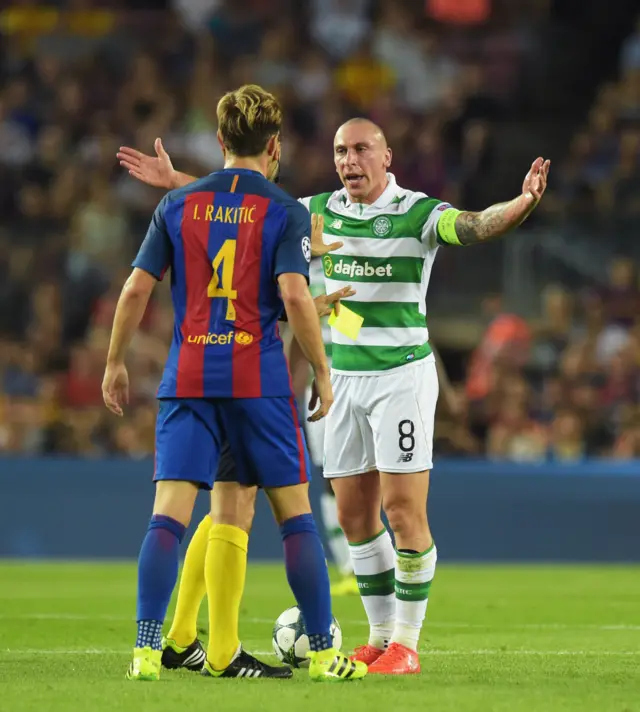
294,249
154,255
430,235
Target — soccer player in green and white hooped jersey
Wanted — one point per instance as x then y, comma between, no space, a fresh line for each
379,432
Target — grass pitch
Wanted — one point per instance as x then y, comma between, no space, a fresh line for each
540,639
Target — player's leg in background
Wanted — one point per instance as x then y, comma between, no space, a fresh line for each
191,590
184,450
232,510
403,429
338,545
225,566
350,464
231,505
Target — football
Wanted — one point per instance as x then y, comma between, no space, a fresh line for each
290,641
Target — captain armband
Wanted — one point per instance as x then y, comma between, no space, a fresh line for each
447,227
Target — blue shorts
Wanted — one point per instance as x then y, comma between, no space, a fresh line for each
264,436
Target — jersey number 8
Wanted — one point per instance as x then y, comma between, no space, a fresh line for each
223,287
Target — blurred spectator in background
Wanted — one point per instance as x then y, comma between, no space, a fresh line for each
627,446
504,348
555,331
567,441
361,79
340,26
630,54
515,436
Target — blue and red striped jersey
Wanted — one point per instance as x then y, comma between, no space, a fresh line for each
226,238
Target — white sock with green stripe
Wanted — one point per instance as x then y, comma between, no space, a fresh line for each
338,544
373,564
414,574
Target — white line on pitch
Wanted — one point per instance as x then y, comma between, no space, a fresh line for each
65,617
542,653
495,626
450,653
88,651
268,621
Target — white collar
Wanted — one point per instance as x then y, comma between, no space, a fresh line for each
388,194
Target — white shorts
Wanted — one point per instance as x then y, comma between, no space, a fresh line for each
314,433
382,422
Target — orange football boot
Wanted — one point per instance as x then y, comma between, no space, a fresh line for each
396,660
366,654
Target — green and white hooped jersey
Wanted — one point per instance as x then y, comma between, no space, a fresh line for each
388,252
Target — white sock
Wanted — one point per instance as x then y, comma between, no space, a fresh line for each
338,544
373,565
414,574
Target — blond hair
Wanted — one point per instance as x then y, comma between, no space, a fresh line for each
247,118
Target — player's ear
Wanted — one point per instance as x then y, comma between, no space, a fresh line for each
273,147
222,147
387,158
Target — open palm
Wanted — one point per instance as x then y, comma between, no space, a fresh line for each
535,182
158,171
318,245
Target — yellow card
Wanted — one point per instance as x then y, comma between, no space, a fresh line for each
347,322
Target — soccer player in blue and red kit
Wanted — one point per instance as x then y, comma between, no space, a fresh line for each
238,249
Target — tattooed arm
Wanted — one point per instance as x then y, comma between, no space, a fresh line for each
467,228
495,221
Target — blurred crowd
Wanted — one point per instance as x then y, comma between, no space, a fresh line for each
563,388
79,78
601,176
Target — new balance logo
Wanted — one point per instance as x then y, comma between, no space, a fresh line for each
406,457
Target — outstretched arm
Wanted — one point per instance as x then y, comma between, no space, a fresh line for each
468,228
181,179
158,172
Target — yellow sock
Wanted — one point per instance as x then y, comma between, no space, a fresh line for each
192,587
225,572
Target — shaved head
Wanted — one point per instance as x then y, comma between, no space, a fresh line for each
367,126
362,157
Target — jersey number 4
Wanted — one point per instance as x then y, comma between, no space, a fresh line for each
222,286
